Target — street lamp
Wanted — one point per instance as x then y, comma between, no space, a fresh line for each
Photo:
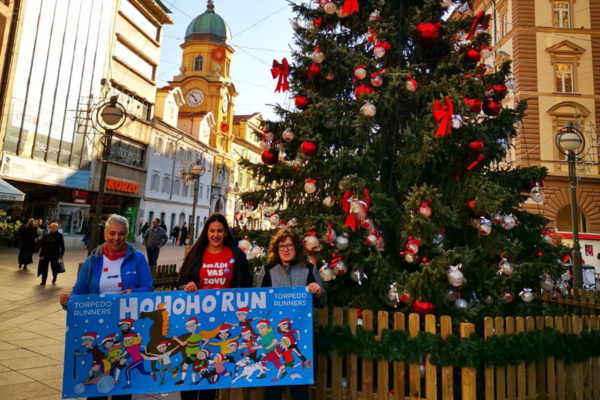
571,142
235,190
109,116
196,170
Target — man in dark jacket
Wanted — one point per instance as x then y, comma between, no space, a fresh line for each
154,238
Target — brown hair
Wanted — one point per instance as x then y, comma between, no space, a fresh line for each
279,237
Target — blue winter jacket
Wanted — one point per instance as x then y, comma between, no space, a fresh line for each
135,272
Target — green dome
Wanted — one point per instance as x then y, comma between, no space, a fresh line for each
209,24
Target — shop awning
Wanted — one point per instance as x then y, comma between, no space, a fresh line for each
9,192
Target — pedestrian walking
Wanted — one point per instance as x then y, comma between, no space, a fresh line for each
175,234
144,228
114,267
52,250
154,238
28,235
214,254
287,266
183,235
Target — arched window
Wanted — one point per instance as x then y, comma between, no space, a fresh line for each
564,223
198,63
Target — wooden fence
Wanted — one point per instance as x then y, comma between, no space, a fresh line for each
578,301
165,276
350,377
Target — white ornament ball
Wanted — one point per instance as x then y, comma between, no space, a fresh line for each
360,73
508,222
505,267
412,248
393,294
264,145
330,7
547,283
328,202
374,16
377,81
484,226
368,109
326,273
451,294
287,135
425,211
372,240
342,243
527,295
292,222
461,304
255,252
409,258
410,85
311,243
379,51
269,136
537,194
455,277
486,53
457,121
310,187
245,245
340,268
275,220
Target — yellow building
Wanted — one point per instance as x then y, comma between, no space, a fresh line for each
555,49
7,43
246,146
205,82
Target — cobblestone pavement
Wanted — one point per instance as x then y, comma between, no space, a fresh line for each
32,326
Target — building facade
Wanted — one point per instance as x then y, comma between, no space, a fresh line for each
555,49
72,57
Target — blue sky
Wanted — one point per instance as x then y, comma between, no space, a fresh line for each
261,32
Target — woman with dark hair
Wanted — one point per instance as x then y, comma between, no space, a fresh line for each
28,236
213,262
287,266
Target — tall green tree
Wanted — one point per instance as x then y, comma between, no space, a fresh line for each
399,127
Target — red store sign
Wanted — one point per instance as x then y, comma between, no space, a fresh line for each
119,185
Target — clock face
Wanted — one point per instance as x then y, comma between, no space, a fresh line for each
195,97
225,103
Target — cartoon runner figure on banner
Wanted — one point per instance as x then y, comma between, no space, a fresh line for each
249,345
134,349
164,359
284,327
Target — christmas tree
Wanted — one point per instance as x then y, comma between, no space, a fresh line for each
390,163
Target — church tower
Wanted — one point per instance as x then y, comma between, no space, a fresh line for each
205,78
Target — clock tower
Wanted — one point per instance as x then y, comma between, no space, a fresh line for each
205,79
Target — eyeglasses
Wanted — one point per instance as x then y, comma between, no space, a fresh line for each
286,246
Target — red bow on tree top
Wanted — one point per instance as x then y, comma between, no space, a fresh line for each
443,115
350,7
481,19
356,208
281,70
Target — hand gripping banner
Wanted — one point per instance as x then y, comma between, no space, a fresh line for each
174,341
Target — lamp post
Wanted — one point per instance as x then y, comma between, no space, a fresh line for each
571,142
109,116
235,190
196,170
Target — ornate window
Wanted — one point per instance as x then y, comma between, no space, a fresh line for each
564,57
198,61
561,14
567,111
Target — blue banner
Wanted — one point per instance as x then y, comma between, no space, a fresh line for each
174,341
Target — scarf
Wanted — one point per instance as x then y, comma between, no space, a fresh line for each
112,256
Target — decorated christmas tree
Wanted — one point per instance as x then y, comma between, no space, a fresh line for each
390,161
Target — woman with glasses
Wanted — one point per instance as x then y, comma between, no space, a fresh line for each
287,266
213,262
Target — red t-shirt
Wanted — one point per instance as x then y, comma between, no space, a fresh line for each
217,269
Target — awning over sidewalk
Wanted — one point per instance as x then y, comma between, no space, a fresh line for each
9,192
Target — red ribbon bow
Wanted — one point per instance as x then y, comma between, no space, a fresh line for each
330,233
481,19
281,70
443,115
351,221
350,7
376,74
310,180
335,258
479,159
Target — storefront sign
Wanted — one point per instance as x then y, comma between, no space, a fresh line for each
43,173
119,185
80,196
174,341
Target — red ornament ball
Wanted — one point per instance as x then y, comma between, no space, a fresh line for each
313,71
492,107
473,55
428,33
473,104
269,157
423,307
363,89
302,102
309,148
